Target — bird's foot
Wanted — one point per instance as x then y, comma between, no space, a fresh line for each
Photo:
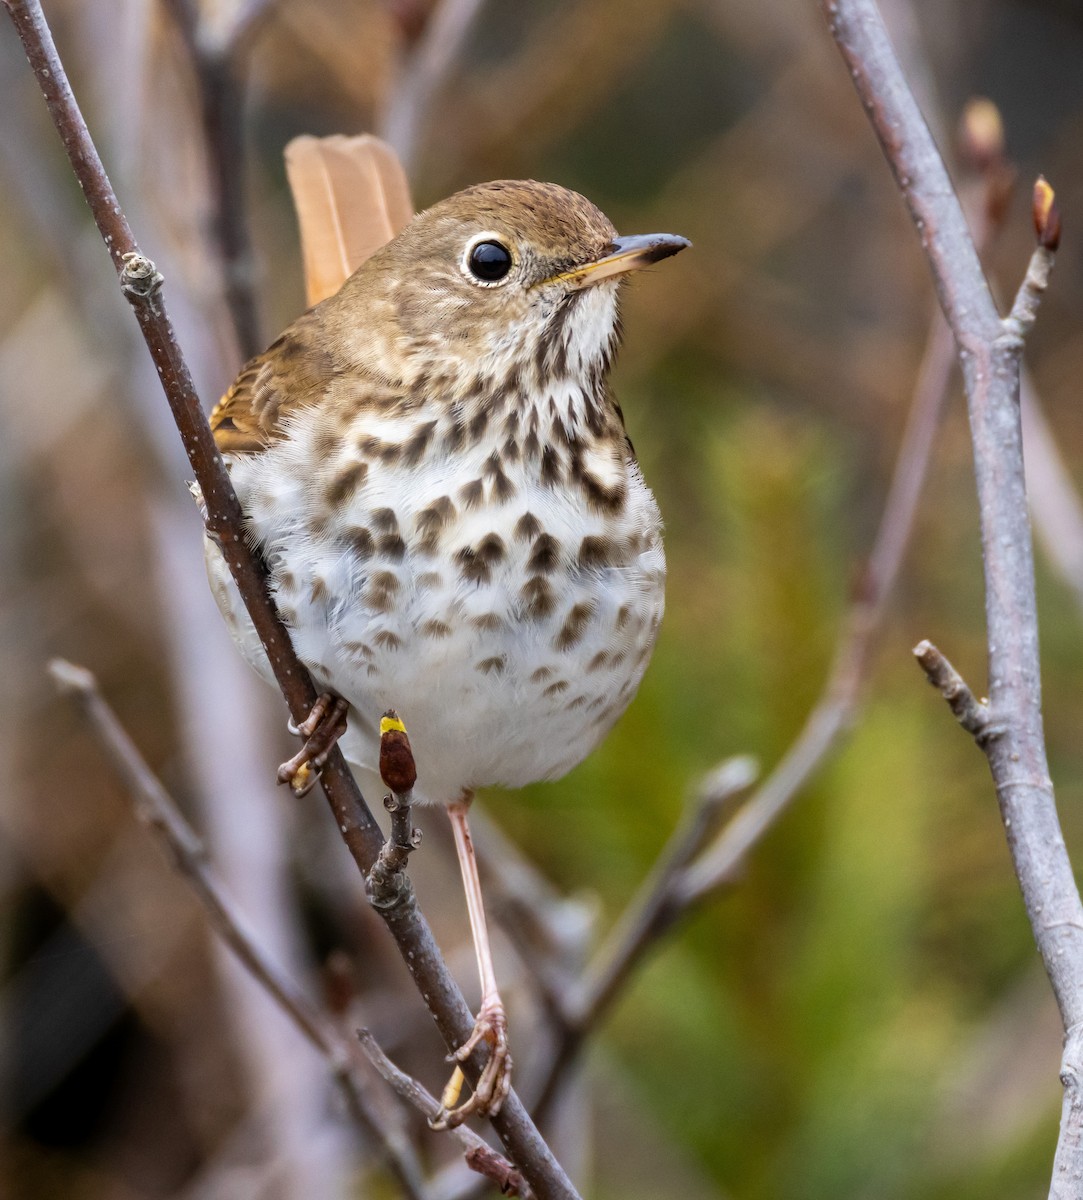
321,729
491,1027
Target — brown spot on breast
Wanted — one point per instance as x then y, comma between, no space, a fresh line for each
599,497
493,469
391,546
359,540
540,674
551,470
318,592
597,552
624,614
489,622
428,580
385,520
436,629
598,661
375,447
545,554
417,443
478,423
502,487
491,549
575,625
472,493
472,568
326,442
388,640
527,527
554,689
432,520
343,486
454,434
381,590
359,649
494,665
537,597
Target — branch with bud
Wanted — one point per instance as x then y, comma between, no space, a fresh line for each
225,523
1008,726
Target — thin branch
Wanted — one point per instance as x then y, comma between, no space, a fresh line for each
830,718
654,910
218,72
480,1156
671,892
141,285
990,351
156,810
423,70
658,904
969,711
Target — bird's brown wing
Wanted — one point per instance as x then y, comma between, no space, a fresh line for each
295,371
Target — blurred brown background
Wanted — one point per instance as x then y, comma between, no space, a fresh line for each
865,1016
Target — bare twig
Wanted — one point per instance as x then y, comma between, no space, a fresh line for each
480,1156
653,910
970,712
702,873
990,350
141,285
217,67
720,864
155,809
424,68
659,901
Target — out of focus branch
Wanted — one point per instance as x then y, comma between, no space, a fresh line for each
217,67
689,873
141,285
156,810
424,67
990,351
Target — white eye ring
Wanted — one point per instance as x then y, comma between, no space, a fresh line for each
493,268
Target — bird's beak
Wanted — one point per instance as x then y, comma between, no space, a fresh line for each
628,254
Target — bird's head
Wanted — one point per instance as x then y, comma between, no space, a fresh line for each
499,280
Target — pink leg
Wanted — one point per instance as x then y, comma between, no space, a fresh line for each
491,1025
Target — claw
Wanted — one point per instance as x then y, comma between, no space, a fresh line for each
321,729
493,1086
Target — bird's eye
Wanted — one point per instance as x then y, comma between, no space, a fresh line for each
489,262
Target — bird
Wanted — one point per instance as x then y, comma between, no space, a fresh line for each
437,473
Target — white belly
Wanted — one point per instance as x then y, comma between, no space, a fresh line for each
499,680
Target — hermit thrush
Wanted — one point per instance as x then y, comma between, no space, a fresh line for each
439,478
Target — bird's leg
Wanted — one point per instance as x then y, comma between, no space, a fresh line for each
321,729
491,1025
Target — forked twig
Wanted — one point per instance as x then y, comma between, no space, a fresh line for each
990,351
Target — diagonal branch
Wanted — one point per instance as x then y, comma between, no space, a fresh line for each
141,285
690,874
156,810
990,351
218,70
